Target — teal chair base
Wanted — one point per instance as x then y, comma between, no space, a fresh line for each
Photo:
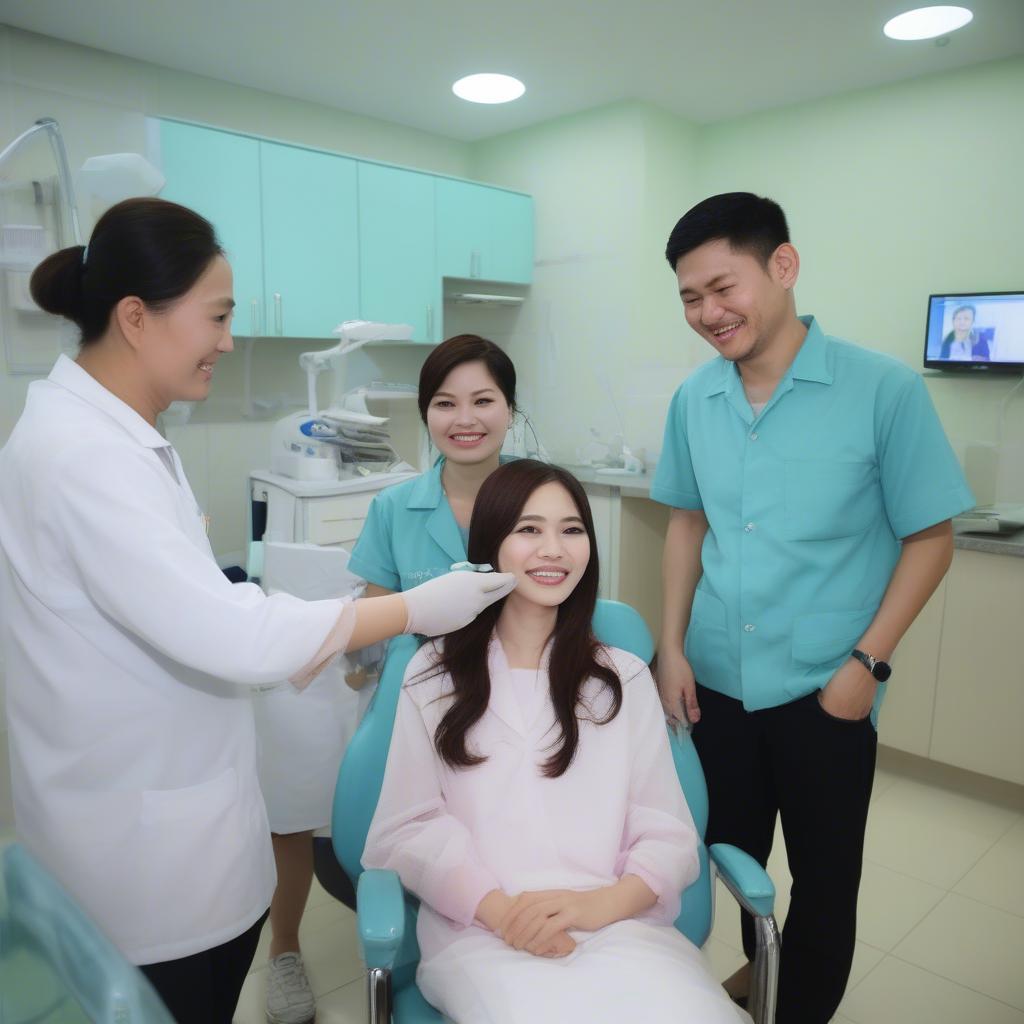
386,914
55,964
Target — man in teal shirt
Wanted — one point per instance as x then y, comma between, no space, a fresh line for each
811,488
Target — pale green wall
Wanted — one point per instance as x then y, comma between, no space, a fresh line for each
892,193
671,187
602,309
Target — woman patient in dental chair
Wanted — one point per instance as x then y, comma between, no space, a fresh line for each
530,799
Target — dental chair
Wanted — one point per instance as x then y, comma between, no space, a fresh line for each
386,914
55,964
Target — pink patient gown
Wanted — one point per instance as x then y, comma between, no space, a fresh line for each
453,836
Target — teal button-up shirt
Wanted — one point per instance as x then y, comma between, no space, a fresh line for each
806,505
410,534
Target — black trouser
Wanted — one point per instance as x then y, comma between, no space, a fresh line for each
204,988
815,771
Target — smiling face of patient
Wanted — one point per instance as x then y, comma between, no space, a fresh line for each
548,550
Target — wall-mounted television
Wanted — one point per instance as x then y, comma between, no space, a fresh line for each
972,331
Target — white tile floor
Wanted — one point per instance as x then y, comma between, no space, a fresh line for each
940,927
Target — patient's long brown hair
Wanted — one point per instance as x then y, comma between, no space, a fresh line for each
575,652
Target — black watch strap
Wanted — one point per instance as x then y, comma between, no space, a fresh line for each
881,670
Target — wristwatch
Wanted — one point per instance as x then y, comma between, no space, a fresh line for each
881,670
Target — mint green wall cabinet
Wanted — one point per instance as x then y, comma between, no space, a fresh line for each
310,241
286,216
217,174
398,277
316,238
484,232
509,255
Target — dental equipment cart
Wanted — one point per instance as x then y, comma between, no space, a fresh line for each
328,513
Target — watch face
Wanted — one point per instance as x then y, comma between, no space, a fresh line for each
882,671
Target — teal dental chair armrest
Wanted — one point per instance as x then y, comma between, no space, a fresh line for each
745,879
381,917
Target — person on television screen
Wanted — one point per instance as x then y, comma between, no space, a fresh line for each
963,342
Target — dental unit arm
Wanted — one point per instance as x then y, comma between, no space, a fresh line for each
51,129
354,335
315,445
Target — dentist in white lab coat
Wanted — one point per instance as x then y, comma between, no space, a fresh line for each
126,648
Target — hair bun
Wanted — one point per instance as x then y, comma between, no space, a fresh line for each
56,284
150,248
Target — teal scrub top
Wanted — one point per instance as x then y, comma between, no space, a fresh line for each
806,506
410,534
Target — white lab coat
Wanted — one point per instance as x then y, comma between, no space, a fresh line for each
455,835
132,756
301,737
301,740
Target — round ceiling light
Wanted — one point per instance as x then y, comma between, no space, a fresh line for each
489,88
927,22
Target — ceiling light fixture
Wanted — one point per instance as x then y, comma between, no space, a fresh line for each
927,22
489,88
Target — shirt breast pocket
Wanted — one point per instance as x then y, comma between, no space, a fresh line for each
827,499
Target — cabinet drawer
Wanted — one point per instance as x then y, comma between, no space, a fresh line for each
336,520
335,531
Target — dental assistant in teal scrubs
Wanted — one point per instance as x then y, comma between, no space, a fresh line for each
417,529
414,531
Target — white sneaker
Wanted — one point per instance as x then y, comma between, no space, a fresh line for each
289,997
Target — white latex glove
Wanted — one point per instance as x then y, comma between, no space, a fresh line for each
449,602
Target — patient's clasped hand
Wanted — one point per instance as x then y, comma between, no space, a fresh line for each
539,922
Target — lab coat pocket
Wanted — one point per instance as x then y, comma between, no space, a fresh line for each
164,806
706,638
823,638
200,850
827,499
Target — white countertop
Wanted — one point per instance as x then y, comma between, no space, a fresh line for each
327,488
632,485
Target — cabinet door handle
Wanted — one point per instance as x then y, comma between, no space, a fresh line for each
278,314
252,320
430,323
